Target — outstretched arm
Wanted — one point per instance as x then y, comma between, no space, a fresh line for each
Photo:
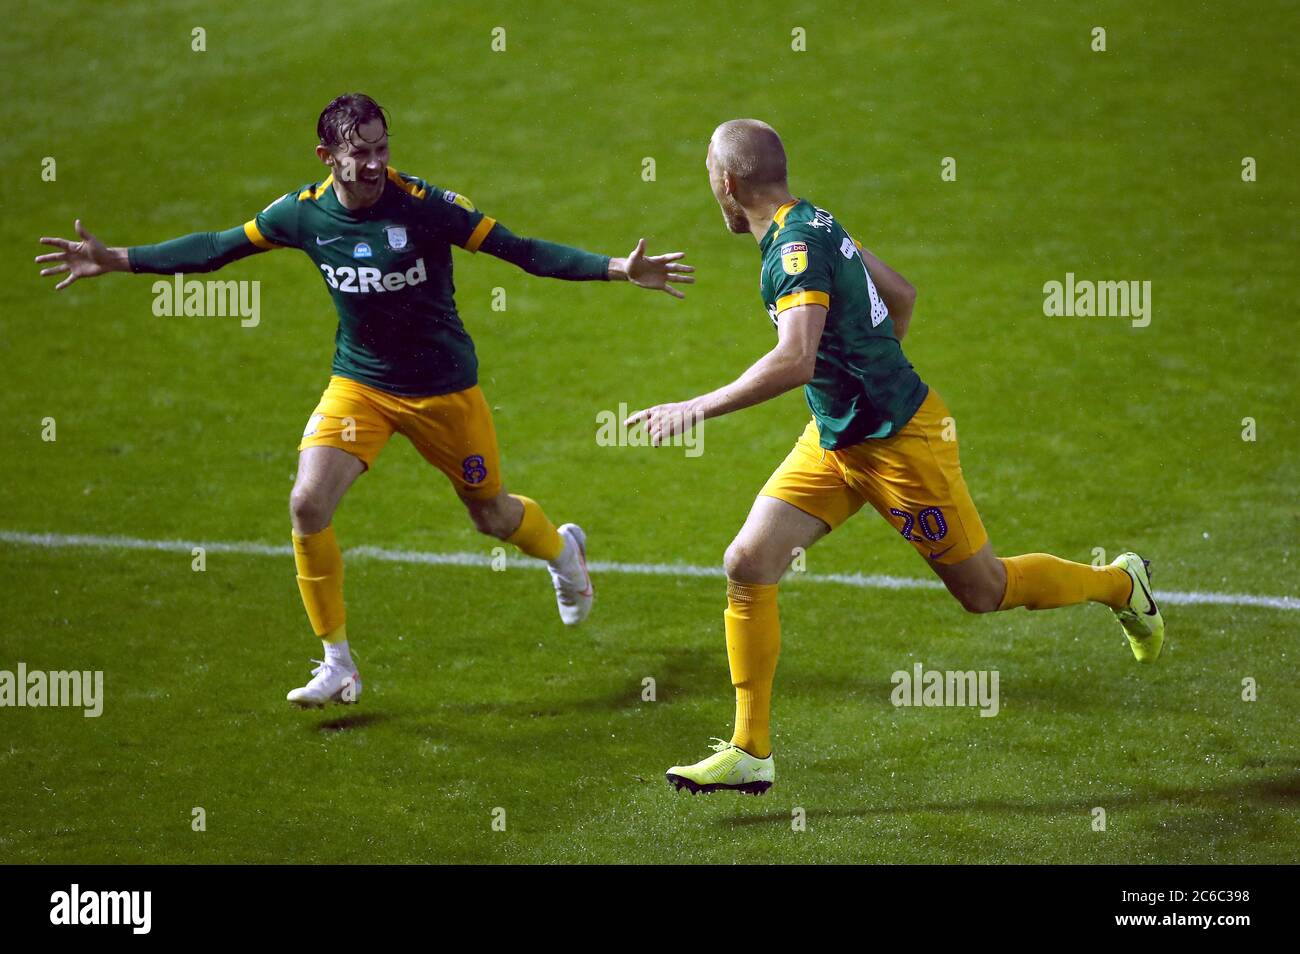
551,260
789,365
199,252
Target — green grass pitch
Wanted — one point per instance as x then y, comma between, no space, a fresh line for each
1076,433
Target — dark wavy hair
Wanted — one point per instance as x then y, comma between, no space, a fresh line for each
344,114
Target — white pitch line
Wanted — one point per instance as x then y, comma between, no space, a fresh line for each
871,581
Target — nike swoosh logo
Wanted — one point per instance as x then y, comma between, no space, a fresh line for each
1150,602
327,241
582,555
935,556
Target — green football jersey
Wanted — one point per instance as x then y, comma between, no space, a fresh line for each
388,269
862,386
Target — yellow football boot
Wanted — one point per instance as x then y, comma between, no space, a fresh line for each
730,769
1141,619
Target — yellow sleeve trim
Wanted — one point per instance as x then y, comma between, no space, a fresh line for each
480,233
317,192
803,298
411,188
256,237
782,212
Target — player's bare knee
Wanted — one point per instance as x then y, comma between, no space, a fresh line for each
745,563
483,522
735,560
308,511
978,599
489,519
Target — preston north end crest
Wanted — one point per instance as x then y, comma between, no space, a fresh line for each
396,235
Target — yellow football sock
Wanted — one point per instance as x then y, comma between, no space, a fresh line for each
320,580
753,626
1042,581
536,535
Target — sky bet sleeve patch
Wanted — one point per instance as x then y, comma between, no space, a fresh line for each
794,257
457,199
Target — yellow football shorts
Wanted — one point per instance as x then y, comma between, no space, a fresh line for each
913,478
453,432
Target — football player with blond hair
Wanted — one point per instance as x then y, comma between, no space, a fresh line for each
878,435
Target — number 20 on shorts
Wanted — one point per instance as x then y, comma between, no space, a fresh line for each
929,521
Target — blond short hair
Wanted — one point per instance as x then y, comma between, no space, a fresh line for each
751,151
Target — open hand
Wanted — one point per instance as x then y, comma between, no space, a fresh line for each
655,271
84,259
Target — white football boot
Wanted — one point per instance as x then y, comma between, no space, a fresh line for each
329,683
573,590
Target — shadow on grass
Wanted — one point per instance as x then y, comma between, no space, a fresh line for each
1275,792
357,720
675,670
